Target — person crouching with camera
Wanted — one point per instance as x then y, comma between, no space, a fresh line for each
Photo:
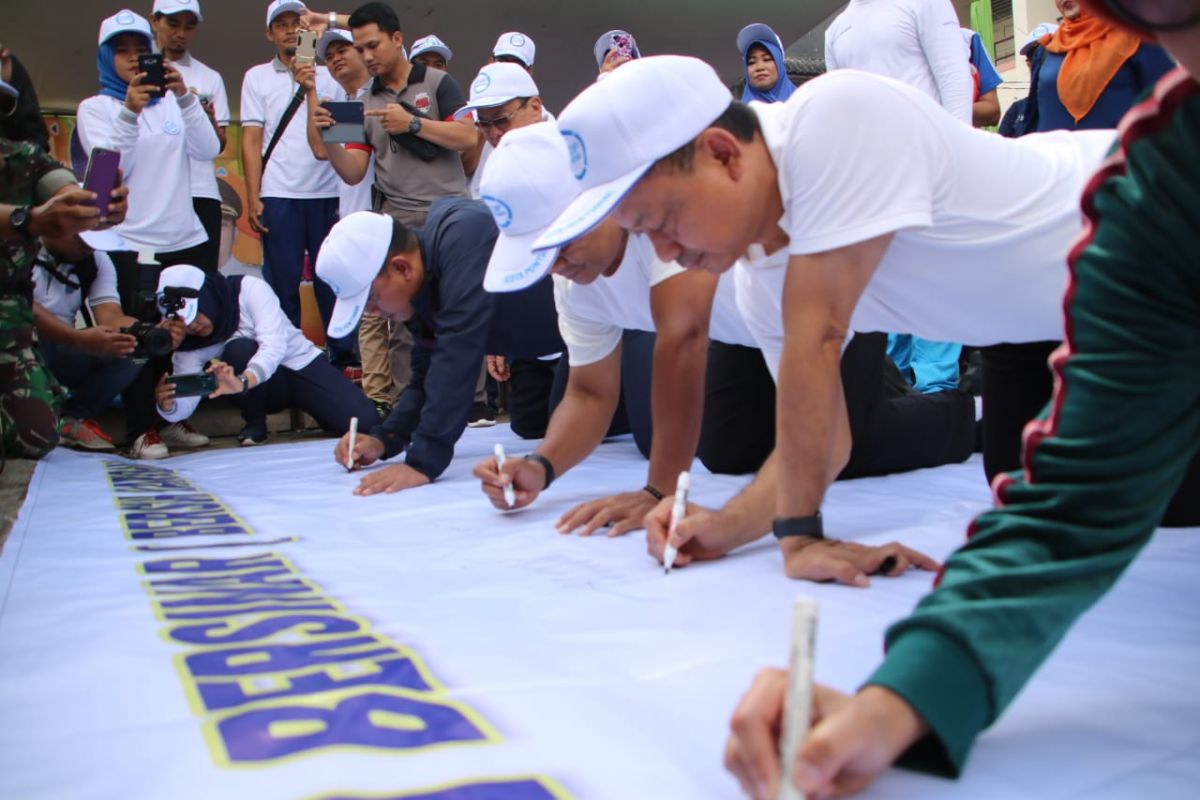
97,362
240,343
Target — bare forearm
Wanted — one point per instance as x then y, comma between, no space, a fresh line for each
677,407
753,508
252,165
319,151
576,428
807,423
350,165
457,136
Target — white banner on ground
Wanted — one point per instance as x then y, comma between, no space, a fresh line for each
236,624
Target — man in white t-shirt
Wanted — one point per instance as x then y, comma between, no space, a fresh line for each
294,198
175,22
917,42
92,362
894,216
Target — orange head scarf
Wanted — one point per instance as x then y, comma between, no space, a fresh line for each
1095,51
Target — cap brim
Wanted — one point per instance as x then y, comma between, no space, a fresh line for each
108,241
755,33
347,311
589,209
515,265
487,102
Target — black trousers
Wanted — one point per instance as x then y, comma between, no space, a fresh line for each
209,212
893,429
319,389
637,363
529,392
1017,385
137,285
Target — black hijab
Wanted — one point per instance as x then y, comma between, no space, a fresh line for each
219,301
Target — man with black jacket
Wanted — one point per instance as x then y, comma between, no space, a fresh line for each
432,279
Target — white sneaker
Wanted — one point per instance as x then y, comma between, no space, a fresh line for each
182,434
149,446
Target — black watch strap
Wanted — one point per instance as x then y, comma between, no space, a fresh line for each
783,527
653,492
546,465
18,220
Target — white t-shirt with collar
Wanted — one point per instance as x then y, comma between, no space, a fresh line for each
982,224
592,317
917,42
357,197
293,171
65,302
206,82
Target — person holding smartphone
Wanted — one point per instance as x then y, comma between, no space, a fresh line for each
158,137
175,23
237,332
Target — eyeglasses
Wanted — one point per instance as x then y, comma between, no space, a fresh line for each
503,122
1157,15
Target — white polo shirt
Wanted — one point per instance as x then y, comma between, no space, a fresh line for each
206,82
592,317
65,302
293,171
982,224
157,149
280,343
917,42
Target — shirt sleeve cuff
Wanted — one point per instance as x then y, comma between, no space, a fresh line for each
127,116
944,684
259,373
366,148
52,183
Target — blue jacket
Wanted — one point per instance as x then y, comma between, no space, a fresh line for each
452,327
1136,75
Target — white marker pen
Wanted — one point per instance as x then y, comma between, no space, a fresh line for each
510,494
353,441
677,512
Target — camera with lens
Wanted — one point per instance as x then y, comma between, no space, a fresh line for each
173,298
152,341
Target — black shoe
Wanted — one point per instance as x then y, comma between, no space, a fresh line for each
482,416
383,408
252,434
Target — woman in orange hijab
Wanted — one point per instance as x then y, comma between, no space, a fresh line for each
1091,72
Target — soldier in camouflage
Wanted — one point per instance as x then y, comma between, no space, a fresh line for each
39,200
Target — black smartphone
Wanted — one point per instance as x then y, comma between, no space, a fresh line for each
156,72
199,384
347,124
101,176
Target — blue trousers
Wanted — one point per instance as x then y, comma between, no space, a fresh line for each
319,389
93,381
296,227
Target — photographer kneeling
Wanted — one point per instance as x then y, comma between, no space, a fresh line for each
95,363
239,343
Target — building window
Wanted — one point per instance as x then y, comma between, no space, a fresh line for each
1002,32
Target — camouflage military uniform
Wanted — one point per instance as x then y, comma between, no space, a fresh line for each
29,395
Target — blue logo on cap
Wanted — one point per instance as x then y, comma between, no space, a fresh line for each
125,18
578,151
517,40
481,84
501,211
171,128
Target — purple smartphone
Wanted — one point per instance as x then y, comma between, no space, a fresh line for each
101,176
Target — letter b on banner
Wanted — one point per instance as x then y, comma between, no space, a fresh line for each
376,718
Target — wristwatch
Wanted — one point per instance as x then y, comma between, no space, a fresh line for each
19,220
333,20
812,527
414,125
245,382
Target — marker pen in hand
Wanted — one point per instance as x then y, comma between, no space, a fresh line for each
677,512
510,494
353,442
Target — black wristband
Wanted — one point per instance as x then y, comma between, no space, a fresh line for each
784,527
650,490
546,465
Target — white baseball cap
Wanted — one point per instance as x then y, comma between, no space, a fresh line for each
282,7
331,36
616,129
1044,29
125,21
515,44
181,275
496,84
431,44
169,7
606,42
526,183
349,262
